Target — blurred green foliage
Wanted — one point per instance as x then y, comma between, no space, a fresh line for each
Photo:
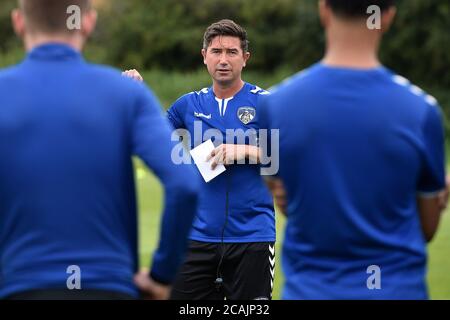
284,35
167,34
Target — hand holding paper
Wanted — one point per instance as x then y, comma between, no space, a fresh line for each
200,154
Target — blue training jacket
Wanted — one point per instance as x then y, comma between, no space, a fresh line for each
68,131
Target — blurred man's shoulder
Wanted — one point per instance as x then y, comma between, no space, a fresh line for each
107,72
408,99
8,72
290,83
111,77
411,91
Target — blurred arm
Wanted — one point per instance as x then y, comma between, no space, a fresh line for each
152,143
430,210
278,191
433,187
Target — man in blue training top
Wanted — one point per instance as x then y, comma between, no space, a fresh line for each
362,165
231,253
68,130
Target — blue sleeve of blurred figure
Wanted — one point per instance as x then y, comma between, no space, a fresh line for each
175,112
432,177
152,143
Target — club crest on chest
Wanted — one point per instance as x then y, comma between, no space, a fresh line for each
246,114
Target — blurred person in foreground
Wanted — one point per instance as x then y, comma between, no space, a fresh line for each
362,167
68,131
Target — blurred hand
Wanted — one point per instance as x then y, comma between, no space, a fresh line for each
133,74
276,186
150,289
227,154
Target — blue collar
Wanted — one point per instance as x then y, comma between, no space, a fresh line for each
243,89
54,51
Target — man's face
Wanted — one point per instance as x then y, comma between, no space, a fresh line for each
225,59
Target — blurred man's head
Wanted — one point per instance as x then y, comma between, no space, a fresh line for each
54,19
357,8
354,29
225,51
356,12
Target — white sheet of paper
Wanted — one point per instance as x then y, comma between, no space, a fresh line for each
199,154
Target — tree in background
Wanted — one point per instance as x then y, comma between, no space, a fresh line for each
167,35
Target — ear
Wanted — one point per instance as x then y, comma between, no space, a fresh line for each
88,22
204,56
387,18
18,22
246,57
324,13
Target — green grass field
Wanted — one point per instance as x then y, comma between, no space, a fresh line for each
150,205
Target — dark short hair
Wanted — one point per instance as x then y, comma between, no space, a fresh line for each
357,8
50,16
225,28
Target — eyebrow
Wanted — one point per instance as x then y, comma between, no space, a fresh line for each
220,49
